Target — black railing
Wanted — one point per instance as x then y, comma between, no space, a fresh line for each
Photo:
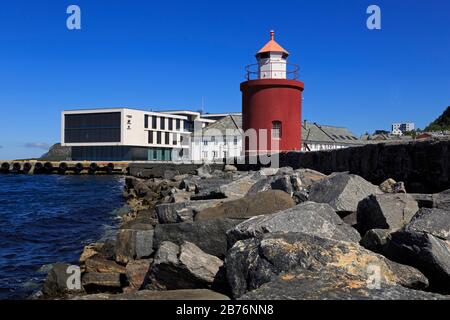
290,72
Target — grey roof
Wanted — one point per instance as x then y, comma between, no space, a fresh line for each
224,125
316,133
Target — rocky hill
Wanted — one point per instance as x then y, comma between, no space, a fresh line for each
442,123
57,153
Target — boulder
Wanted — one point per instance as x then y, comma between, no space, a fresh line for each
391,186
265,172
309,176
263,184
309,217
89,251
137,273
102,282
206,189
385,211
423,251
259,204
183,267
182,212
133,244
433,221
204,171
325,285
173,212
251,263
208,235
442,200
55,284
238,188
141,189
343,191
183,294
101,265
229,168
375,240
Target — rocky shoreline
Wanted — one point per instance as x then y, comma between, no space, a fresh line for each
267,234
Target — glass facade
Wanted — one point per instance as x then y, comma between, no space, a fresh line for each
120,153
92,127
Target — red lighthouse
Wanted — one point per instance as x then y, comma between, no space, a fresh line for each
272,102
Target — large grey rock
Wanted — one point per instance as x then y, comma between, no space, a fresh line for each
325,285
208,235
133,244
253,262
442,200
184,294
433,221
94,282
375,240
425,252
137,273
55,284
183,267
182,212
342,191
259,204
308,217
385,211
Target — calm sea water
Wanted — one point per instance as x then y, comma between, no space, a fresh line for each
49,218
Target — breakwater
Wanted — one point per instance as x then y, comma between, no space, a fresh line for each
63,167
422,165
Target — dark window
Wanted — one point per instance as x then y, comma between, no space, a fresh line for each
150,137
92,127
153,122
174,138
264,55
166,140
178,124
276,129
170,124
162,124
146,121
158,137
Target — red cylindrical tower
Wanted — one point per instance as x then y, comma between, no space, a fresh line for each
271,104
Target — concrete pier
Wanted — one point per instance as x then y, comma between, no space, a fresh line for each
64,167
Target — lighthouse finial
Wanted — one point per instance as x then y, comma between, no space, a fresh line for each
272,35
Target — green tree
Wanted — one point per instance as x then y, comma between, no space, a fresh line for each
442,123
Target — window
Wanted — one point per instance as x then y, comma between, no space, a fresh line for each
178,124
213,139
205,142
158,137
205,154
146,121
170,124
174,139
150,137
162,124
276,130
225,154
214,154
92,127
224,140
235,141
154,122
166,140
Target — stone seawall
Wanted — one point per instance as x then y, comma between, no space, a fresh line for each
422,165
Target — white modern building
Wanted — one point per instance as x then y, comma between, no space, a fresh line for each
128,134
400,128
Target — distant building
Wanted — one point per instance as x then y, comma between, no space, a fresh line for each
316,137
401,128
219,140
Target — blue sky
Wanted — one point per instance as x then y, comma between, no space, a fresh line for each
170,54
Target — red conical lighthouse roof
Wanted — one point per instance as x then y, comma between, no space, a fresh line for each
272,45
